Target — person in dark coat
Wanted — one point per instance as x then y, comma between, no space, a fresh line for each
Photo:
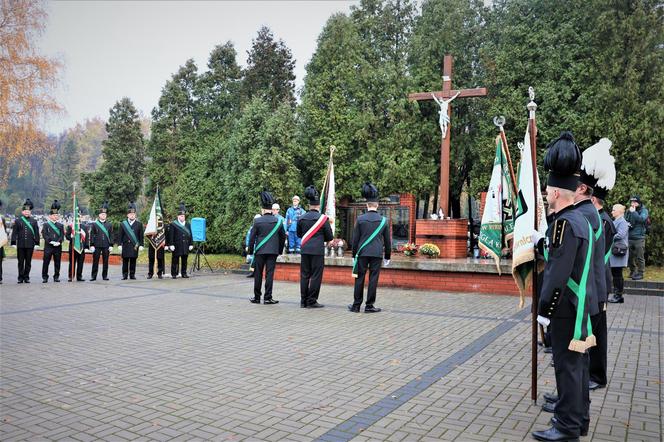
266,241
314,230
131,240
180,243
3,238
564,302
76,259
53,233
101,242
372,246
25,237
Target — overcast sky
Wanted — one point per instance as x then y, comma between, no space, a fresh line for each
113,49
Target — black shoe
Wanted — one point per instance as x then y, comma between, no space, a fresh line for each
56,279
553,434
303,304
160,277
132,277
315,305
270,301
123,278
93,279
616,299
592,385
252,300
550,397
105,279
637,277
44,280
149,276
68,279
26,281
584,431
80,279
185,276
352,308
20,281
371,309
173,277
548,350
549,407
250,275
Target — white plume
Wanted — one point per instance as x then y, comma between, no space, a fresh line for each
598,162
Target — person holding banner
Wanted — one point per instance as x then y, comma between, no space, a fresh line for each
161,261
314,229
371,245
180,243
266,242
53,233
131,240
77,260
101,243
25,237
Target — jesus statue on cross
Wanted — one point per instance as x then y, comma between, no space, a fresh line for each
444,118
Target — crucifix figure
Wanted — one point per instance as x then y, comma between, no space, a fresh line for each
443,99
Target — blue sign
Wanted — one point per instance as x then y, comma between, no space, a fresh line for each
198,229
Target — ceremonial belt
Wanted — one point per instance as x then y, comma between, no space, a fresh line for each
260,244
579,289
314,229
368,240
54,227
183,229
130,232
27,223
103,229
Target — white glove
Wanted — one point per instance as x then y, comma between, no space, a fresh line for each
92,249
386,262
191,247
172,248
544,321
632,209
14,246
140,248
37,247
53,243
120,248
535,236
86,250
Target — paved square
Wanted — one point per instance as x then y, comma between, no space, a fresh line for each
194,360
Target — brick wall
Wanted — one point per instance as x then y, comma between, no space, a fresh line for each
450,235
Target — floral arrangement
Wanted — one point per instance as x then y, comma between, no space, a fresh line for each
430,250
409,249
336,242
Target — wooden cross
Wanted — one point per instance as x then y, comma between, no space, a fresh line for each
446,94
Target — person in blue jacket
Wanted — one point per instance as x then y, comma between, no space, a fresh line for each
293,215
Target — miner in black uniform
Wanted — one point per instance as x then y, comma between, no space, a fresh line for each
180,243
315,230
53,233
4,238
101,242
266,241
78,259
25,237
371,242
564,302
130,240
159,255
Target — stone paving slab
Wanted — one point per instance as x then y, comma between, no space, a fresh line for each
194,360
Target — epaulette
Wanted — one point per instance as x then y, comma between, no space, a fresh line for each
558,232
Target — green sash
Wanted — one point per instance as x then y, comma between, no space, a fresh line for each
183,229
260,244
54,227
27,223
130,232
580,290
368,240
103,229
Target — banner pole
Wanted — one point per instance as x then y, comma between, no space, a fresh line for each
532,107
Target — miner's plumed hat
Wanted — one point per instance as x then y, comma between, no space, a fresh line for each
27,205
182,210
266,199
369,192
55,207
131,208
563,161
311,194
104,207
598,168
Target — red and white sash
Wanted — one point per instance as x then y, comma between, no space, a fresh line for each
314,229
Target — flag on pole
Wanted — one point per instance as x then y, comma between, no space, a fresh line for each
523,254
497,220
328,195
77,240
155,229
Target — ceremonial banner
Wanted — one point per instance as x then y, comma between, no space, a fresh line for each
328,195
523,254
155,229
76,240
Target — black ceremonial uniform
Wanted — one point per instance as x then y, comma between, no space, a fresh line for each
370,256
312,260
52,234
180,238
25,239
102,241
78,259
568,251
2,249
129,247
266,256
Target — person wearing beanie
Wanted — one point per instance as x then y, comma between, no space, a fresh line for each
25,237
372,246
293,215
180,243
564,303
266,242
53,233
131,240
313,230
101,242
637,218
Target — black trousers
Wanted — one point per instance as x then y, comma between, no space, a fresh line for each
129,267
56,254
372,264
24,256
2,253
267,263
571,369
311,275
618,280
160,260
79,260
179,263
104,253
598,352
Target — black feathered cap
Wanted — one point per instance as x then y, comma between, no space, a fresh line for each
563,162
311,194
369,192
27,205
182,210
266,199
55,207
104,207
131,208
